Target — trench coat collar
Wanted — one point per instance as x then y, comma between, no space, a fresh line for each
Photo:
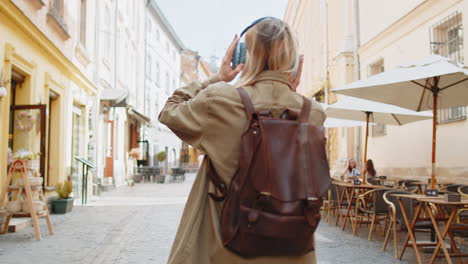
268,75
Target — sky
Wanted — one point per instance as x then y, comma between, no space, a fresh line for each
208,26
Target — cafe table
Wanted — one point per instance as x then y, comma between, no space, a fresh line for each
410,225
424,204
422,186
351,191
455,207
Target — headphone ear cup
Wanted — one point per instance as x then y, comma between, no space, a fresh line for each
242,53
236,56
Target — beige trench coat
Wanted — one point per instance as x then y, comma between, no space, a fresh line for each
210,116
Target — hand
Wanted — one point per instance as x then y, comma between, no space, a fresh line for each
226,72
294,80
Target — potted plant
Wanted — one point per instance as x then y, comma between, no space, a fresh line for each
29,158
161,156
64,203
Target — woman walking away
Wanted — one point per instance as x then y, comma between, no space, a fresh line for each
211,116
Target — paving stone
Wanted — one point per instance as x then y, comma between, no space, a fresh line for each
138,224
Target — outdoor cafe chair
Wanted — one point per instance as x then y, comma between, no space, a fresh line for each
453,188
372,203
338,194
330,203
396,217
462,216
374,181
463,190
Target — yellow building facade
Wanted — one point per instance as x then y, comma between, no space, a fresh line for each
46,72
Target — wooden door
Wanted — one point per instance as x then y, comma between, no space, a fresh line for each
28,131
109,170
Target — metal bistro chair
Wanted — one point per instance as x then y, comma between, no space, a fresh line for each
330,204
340,198
178,174
396,217
373,203
374,181
453,188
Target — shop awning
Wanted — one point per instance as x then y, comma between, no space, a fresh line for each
117,97
140,117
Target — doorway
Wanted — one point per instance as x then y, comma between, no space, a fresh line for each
77,148
27,128
109,170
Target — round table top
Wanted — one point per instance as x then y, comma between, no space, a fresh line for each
350,184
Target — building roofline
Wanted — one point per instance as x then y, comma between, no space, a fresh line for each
154,8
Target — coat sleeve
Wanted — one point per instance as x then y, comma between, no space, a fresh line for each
186,112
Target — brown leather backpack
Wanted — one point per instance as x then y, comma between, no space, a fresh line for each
272,207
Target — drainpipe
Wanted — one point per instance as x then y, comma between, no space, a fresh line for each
325,48
357,72
97,102
356,39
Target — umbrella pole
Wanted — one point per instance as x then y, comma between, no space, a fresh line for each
434,140
365,147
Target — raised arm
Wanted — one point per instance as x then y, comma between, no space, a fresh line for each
186,111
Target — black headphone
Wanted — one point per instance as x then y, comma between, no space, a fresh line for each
240,52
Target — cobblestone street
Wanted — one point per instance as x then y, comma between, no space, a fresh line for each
137,225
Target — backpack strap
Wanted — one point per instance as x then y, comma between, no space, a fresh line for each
305,111
217,182
248,105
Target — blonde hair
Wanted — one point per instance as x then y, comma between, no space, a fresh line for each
271,45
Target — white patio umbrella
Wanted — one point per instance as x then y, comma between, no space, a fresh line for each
335,123
372,112
417,87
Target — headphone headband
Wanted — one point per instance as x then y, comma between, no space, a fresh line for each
253,24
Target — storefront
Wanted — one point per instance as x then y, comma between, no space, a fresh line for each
45,109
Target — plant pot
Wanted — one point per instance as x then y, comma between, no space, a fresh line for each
14,206
137,178
38,206
32,164
62,206
160,178
33,181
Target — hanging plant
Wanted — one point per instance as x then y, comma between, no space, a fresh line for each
24,121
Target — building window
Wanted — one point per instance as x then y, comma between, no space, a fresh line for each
107,41
148,66
448,115
379,130
446,39
83,22
168,88
156,77
377,67
57,12
157,34
148,26
57,7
